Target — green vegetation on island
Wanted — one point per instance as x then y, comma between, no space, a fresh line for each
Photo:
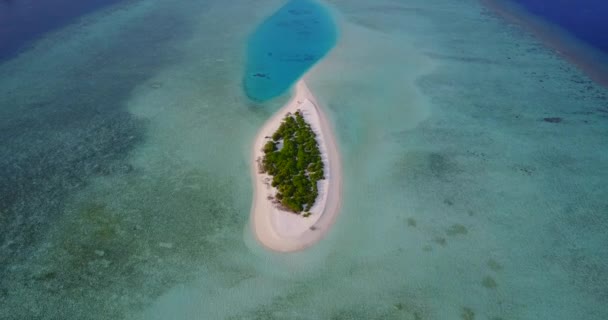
293,159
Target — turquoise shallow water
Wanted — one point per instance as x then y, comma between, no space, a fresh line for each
474,164
285,46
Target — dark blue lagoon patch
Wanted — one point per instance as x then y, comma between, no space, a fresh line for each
576,30
285,46
585,19
22,21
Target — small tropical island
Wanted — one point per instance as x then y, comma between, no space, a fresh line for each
297,176
293,159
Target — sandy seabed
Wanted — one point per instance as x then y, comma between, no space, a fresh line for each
284,231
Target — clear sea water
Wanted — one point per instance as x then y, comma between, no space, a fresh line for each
475,162
586,19
24,20
285,46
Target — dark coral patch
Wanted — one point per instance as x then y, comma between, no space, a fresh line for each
553,120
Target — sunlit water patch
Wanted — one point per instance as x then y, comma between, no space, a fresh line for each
285,46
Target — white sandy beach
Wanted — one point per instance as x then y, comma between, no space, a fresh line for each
285,231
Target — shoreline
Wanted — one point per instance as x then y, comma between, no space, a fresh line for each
283,231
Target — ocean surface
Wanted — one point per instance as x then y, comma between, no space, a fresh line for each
21,21
585,19
475,163
285,46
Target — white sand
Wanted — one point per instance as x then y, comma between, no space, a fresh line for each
285,231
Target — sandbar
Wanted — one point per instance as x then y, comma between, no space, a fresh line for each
284,231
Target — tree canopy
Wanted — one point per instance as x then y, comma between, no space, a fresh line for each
296,166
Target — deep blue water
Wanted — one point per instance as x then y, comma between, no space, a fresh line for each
585,19
21,21
285,46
